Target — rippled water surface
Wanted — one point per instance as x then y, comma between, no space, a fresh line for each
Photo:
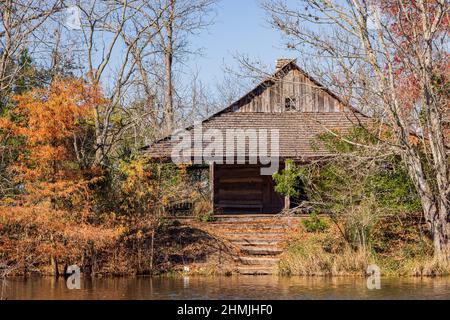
243,287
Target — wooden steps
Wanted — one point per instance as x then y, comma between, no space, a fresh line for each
261,251
258,261
259,240
255,270
255,242
270,235
231,226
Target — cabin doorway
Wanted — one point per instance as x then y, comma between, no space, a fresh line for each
241,189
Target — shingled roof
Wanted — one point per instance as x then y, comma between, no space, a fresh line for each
261,110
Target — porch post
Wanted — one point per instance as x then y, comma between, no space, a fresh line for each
211,184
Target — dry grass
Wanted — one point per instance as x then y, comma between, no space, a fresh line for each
320,254
425,267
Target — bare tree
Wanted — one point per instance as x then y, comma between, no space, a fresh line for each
199,102
19,24
180,19
121,40
114,35
389,59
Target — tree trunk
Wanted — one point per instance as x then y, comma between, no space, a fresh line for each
435,214
441,235
87,260
435,210
55,266
168,64
98,139
152,251
5,55
168,110
434,128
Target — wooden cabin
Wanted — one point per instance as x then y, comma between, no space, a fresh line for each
289,102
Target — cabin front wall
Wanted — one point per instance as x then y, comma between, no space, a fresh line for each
241,189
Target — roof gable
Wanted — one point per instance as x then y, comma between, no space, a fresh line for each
289,84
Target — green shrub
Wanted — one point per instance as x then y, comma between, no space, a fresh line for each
206,217
315,224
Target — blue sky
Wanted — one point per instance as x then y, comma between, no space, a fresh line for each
240,28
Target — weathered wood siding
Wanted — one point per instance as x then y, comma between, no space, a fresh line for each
242,189
304,94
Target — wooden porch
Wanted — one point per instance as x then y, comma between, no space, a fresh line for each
241,189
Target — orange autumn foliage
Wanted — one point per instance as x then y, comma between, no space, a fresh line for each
48,219
43,233
49,120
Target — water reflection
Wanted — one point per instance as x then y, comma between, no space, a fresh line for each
240,288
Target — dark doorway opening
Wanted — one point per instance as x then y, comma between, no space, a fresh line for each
241,189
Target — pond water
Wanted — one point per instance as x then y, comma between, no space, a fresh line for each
240,288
